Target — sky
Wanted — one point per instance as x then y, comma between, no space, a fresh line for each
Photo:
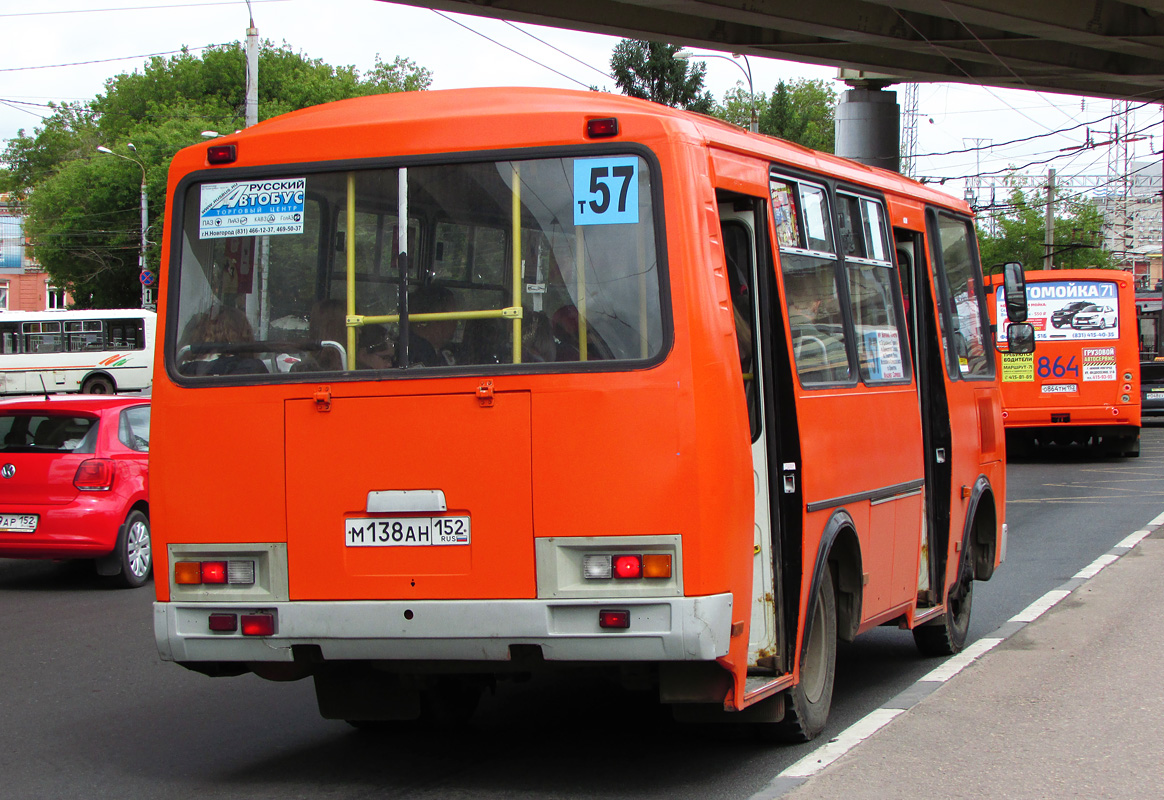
63,51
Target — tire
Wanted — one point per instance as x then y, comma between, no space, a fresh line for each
806,707
134,551
946,635
97,384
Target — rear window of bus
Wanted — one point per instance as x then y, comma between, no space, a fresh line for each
263,294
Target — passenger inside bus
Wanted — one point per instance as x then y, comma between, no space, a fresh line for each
205,346
430,343
819,347
326,328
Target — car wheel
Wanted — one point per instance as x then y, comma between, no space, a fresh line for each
97,384
134,550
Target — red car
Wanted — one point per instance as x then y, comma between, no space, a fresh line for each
74,482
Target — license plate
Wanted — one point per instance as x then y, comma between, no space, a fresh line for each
1060,388
405,531
18,523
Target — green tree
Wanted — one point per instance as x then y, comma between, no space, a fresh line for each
82,209
801,111
649,70
1019,234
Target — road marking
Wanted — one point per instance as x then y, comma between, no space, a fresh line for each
1134,539
835,748
1092,569
955,664
1040,606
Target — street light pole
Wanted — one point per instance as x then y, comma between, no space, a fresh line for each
146,277
687,55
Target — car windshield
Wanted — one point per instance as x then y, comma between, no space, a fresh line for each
23,432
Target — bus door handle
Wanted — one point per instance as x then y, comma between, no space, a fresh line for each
789,477
940,455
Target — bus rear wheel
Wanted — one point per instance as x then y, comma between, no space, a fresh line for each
97,384
807,703
947,635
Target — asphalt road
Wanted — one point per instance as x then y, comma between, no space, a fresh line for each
87,710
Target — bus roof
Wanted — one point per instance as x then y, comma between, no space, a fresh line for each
501,120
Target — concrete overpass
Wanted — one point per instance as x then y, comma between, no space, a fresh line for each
1100,48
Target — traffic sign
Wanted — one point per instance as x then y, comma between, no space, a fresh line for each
147,278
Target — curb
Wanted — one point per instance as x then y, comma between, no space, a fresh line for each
801,771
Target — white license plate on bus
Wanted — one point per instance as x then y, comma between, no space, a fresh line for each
1060,388
405,531
18,523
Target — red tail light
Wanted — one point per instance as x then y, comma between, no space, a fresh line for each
221,154
95,475
258,625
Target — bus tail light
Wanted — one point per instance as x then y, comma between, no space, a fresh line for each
602,128
602,566
224,623
221,154
628,566
95,475
258,624
614,618
194,573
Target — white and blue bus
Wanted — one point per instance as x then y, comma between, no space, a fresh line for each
96,351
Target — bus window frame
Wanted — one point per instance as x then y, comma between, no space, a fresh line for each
327,235
945,313
833,189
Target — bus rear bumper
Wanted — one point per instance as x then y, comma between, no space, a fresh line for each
661,629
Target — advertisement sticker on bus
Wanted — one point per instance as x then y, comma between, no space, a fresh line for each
251,208
1068,310
1099,364
1018,367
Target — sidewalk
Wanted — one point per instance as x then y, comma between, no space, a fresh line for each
1070,705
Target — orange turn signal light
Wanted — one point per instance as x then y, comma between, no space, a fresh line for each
188,572
657,566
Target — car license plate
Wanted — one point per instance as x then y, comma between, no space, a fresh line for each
18,523
1060,388
405,531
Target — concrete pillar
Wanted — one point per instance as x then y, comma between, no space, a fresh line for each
868,127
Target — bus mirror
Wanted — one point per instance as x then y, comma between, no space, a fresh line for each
1015,290
1020,337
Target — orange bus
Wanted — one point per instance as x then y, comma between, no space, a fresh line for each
1082,385
458,386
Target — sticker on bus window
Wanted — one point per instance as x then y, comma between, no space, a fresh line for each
1018,367
251,208
606,191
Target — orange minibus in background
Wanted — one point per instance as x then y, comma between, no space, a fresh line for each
1082,384
459,386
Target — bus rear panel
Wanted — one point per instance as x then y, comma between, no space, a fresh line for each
1081,386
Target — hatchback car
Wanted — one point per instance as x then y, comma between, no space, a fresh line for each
1094,316
74,482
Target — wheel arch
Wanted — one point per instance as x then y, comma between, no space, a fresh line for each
98,373
980,529
840,551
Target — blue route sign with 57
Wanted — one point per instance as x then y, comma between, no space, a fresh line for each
606,191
